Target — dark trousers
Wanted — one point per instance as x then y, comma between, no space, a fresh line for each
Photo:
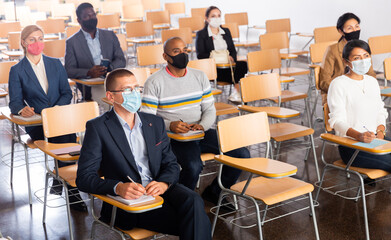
182,214
36,133
189,157
224,75
366,160
87,93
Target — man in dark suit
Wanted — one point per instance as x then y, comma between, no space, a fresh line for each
86,48
122,143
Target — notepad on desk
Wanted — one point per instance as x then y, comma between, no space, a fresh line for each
98,79
142,199
35,117
373,144
191,133
66,150
385,90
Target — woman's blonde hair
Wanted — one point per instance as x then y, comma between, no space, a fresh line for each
26,32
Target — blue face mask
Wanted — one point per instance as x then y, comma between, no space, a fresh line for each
361,67
132,101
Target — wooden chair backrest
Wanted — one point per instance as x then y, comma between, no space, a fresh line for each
55,48
133,11
198,12
317,51
159,17
263,60
6,27
207,65
243,131
67,119
51,26
387,68
69,31
175,7
316,76
184,33
108,7
195,23
141,74
151,5
5,68
326,112
64,10
278,25
326,34
260,87
279,40
111,20
122,41
14,41
139,29
150,55
131,2
239,18
233,28
380,44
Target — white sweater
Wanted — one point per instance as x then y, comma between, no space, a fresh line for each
355,104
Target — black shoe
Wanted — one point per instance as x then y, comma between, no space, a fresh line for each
212,197
56,187
75,201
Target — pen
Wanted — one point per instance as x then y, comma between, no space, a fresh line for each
131,180
26,103
366,128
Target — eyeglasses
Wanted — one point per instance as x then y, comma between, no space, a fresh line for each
129,90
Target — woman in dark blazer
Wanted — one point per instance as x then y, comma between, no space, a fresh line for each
39,82
215,37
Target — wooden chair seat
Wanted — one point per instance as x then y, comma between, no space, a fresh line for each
47,147
4,57
14,53
141,41
371,173
216,91
207,157
68,173
130,20
51,37
225,108
287,56
71,83
223,83
275,112
3,93
161,27
293,71
288,95
261,166
2,47
287,131
28,141
3,40
294,51
138,233
285,79
272,191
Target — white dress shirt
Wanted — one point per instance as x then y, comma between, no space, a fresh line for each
40,73
218,40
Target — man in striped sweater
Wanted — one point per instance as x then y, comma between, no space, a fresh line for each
182,97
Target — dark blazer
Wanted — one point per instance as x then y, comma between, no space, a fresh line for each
78,58
24,85
106,152
204,43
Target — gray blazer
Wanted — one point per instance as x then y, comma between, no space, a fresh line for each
78,58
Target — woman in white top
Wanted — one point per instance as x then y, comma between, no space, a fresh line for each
214,37
356,107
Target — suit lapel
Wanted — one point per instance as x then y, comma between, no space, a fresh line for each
84,46
118,134
30,73
149,137
50,73
102,40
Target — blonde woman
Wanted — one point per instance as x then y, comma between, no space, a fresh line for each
39,82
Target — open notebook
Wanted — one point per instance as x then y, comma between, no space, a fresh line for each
191,133
142,199
35,117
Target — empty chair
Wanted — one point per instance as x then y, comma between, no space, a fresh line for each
70,30
14,47
150,55
326,34
7,27
150,5
109,21
175,7
66,11
108,7
55,48
4,75
184,33
198,12
234,29
159,19
195,23
132,13
52,26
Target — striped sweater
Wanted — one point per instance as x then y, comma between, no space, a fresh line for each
188,98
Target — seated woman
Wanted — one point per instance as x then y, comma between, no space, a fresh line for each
214,37
348,25
356,108
39,82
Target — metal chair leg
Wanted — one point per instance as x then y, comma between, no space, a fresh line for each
315,158
314,216
26,158
12,160
217,212
45,198
68,209
364,205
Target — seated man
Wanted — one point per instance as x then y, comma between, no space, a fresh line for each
123,143
86,48
182,96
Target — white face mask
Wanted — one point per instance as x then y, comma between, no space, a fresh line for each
215,22
361,67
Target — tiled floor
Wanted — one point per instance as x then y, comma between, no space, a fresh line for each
338,219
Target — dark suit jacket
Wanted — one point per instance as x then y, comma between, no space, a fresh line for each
78,58
106,152
24,85
204,43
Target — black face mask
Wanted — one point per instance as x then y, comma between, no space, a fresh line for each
180,61
352,35
90,24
